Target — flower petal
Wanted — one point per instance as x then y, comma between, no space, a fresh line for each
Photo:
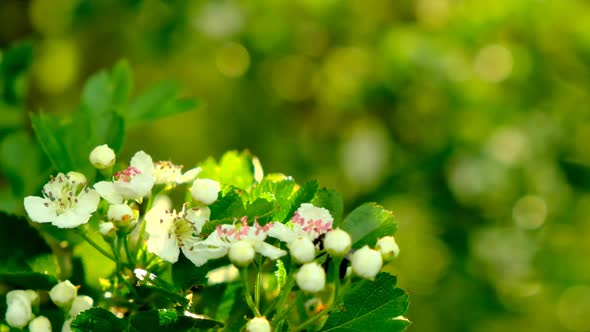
164,247
38,211
71,219
190,175
143,162
269,250
198,216
88,201
200,254
282,232
106,189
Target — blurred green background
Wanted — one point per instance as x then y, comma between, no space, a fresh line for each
469,119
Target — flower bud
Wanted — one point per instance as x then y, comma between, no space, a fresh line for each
108,231
63,293
311,278
67,327
366,262
28,295
102,157
81,303
40,324
19,311
302,250
205,190
122,216
337,242
388,248
258,324
241,253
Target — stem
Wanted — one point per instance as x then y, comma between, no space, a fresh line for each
335,300
130,257
142,227
244,277
280,300
257,285
96,246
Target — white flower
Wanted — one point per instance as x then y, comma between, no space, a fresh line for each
66,201
241,253
205,190
311,278
219,242
40,324
168,173
337,242
309,222
366,262
388,248
258,324
134,182
102,157
63,293
80,303
302,250
170,231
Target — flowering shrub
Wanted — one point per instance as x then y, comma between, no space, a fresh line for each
259,252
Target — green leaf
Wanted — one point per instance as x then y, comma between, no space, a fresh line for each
229,204
28,280
14,65
160,297
371,306
367,223
228,300
97,319
157,102
280,274
280,189
234,168
16,150
186,275
169,320
19,240
331,200
262,209
304,195
48,132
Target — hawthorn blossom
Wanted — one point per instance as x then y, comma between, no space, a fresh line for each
219,243
134,182
205,191
168,173
66,201
171,231
308,223
102,157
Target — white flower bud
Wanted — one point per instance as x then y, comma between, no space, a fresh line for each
19,311
388,248
67,325
77,178
337,242
102,157
40,324
241,253
311,278
302,250
81,303
205,190
63,293
106,228
258,324
120,212
28,295
366,262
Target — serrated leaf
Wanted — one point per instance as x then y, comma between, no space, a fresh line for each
234,168
331,200
371,306
280,274
229,204
97,319
280,189
262,209
367,223
304,195
169,320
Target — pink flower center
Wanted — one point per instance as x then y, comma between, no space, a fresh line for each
127,174
310,226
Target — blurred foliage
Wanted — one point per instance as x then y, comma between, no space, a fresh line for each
469,119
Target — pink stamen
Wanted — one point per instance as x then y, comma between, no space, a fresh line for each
127,174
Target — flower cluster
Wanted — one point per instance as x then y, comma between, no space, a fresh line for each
146,230
21,305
